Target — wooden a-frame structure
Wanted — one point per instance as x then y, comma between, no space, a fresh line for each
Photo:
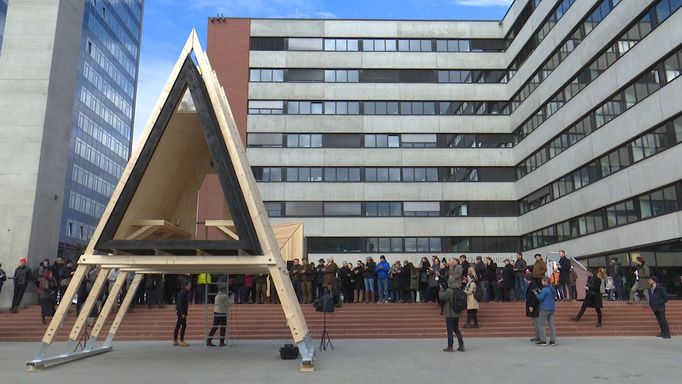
150,224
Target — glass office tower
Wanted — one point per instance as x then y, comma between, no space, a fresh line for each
3,15
102,123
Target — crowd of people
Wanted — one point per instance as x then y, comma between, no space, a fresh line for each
539,284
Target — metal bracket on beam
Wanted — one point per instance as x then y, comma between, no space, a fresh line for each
307,350
39,364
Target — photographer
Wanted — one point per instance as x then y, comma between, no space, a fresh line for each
545,297
446,296
533,306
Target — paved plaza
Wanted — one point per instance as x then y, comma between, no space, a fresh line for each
575,360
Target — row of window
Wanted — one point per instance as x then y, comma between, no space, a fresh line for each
114,43
392,208
91,181
540,33
99,83
377,140
110,68
596,67
383,174
579,33
100,109
650,81
318,75
92,155
654,203
129,16
648,144
377,45
85,205
102,136
279,107
77,230
412,244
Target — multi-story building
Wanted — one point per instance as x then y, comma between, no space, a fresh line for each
68,93
554,128
103,115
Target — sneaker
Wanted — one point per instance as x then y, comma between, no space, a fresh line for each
543,343
552,343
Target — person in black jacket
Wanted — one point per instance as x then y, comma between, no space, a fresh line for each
508,280
359,282
657,298
565,276
533,306
181,308
22,276
345,275
592,297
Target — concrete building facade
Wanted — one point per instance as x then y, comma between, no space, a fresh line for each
554,128
67,88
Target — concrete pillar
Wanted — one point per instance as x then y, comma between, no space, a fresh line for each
38,67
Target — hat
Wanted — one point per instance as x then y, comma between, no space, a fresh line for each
22,260
320,261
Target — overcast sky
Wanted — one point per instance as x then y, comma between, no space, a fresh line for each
167,23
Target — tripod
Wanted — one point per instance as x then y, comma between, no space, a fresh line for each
325,340
85,337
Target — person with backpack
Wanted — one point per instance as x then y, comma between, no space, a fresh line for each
454,300
545,297
472,303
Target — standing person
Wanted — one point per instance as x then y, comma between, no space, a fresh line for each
508,280
47,294
592,297
615,270
359,287
491,277
414,283
546,298
262,287
465,265
520,267
574,283
181,309
455,273
3,277
42,268
383,269
329,278
295,273
319,277
57,267
565,275
220,308
345,275
370,269
432,291
451,319
307,276
533,307
22,276
642,275
539,268
424,268
658,297
479,268
472,303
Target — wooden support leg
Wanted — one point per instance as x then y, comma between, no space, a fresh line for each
87,308
130,296
106,309
294,315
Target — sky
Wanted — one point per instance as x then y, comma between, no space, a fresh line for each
167,24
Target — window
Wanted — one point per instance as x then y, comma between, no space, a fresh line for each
267,174
266,75
304,140
421,208
383,209
304,209
342,174
342,209
264,107
382,141
273,208
305,75
342,76
265,140
304,174
305,44
456,208
417,140
341,45
334,244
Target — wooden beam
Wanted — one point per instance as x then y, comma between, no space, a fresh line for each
123,309
65,304
89,303
109,304
160,262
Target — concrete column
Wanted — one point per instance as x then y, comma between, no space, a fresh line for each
38,67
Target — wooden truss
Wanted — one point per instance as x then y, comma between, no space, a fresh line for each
150,224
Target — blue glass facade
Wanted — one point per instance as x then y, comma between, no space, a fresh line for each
3,15
102,124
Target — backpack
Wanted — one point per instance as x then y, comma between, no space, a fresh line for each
478,293
459,300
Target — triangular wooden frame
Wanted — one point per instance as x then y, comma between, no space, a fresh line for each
259,252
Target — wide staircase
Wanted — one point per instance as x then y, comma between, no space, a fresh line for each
357,321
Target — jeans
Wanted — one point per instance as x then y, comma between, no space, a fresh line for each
620,290
535,321
383,289
662,322
452,325
546,317
485,290
520,288
180,325
19,290
369,284
634,290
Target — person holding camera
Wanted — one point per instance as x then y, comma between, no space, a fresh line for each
592,297
447,295
545,297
